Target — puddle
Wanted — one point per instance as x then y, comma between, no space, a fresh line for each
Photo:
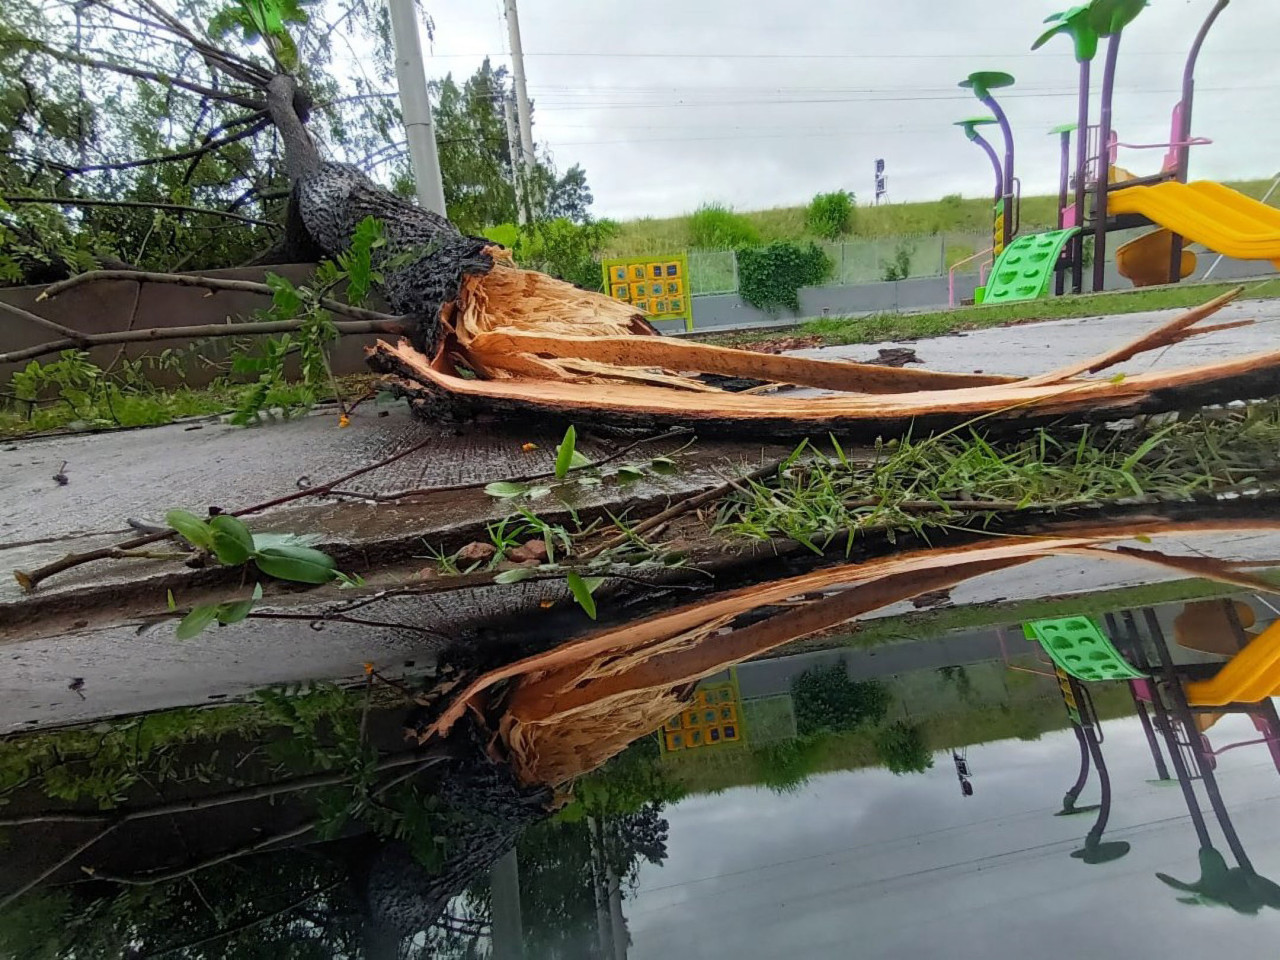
688,777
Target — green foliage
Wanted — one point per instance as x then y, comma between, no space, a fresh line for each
559,247
902,748
771,276
899,268
785,767
624,785
827,700
713,226
830,215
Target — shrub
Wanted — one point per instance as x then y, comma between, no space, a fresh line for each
902,748
827,700
830,215
771,276
560,247
786,767
714,226
899,268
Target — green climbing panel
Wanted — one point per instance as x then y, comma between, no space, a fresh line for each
1080,648
1025,269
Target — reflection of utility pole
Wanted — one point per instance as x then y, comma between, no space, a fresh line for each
415,105
508,927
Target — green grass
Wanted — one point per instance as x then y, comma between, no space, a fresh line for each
949,214
827,501
151,408
883,327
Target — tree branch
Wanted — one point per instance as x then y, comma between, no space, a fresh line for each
388,326
139,204
260,121
208,283
69,858
48,324
67,56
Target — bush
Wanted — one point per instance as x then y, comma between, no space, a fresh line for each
560,247
771,276
830,215
899,268
714,226
786,767
902,748
827,700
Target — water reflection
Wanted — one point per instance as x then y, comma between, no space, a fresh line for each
659,784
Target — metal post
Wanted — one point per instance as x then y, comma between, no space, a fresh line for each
1183,133
415,105
1064,183
1104,165
1082,162
522,91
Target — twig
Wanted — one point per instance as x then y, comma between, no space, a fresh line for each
474,484
69,858
260,120
679,508
29,581
389,325
262,792
139,204
48,324
247,925
208,283
177,874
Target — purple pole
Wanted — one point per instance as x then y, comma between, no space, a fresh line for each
1104,165
1006,186
1082,162
1064,180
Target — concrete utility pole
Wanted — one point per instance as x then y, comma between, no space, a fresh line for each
508,928
415,105
517,168
522,92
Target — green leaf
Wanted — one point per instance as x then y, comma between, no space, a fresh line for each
232,542
261,541
630,474
537,493
590,482
194,622
663,465
234,611
173,605
564,453
299,564
191,528
582,592
579,460
515,575
1118,378
505,489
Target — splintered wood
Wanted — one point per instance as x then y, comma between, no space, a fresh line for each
521,344
562,713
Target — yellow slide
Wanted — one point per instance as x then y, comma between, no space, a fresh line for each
1224,220
1251,675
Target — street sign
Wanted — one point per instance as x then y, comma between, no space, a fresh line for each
658,287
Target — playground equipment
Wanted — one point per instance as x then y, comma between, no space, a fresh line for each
1080,649
1250,676
1211,214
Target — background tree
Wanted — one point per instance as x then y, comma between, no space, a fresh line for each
901,747
827,700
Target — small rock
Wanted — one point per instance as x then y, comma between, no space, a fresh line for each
476,552
510,564
531,550
428,573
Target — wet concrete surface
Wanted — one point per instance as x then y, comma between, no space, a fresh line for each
143,473
1028,349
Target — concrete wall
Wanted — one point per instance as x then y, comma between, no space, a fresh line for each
125,305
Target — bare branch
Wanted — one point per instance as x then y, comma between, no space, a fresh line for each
69,858
139,204
208,146
389,326
38,320
67,56
208,283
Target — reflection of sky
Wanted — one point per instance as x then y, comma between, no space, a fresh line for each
867,864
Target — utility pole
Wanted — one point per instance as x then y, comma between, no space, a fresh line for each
522,91
415,105
517,168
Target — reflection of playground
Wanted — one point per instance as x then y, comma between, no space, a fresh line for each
1179,690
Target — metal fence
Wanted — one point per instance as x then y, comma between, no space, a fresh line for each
855,261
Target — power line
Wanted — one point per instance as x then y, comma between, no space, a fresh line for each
831,56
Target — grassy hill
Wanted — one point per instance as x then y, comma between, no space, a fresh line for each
951,214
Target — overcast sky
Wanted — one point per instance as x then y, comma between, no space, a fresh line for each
871,865
671,103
